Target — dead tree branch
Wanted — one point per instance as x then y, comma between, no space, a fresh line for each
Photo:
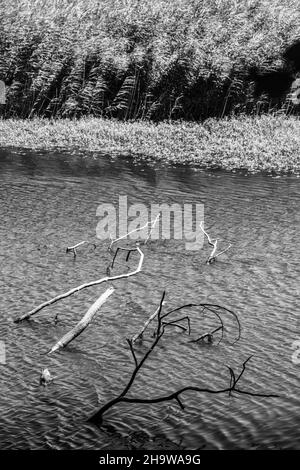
83,323
216,310
97,418
73,248
214,243
176,323
151,224
147,323
209,336
84,286
128,250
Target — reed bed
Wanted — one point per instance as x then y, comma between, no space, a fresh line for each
141,59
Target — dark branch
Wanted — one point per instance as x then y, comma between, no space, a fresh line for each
177,320
132,352
206,335
97,418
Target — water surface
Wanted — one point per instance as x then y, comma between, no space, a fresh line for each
49,201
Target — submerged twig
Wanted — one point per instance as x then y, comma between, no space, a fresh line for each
209,336
73,248
84,286
151,224
214,243
216,309
176,323
139,335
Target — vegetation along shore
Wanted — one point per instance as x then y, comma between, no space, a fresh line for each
198,82
263,143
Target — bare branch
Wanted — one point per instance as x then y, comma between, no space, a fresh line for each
129,341
147,323
214,243
232,379
177,320
179,402
221,252
97,418
84,286
151,224
207,335
213,308
73,248
243,370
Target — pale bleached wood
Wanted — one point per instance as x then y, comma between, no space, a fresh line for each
212,257
83,286
83,323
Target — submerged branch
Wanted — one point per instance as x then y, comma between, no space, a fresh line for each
209,336
214,243
151,224
216,309
84,286
73,248
97,418
146,324
83,323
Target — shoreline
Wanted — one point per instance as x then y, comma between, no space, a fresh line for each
260,144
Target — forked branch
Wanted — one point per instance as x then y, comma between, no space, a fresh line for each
73,248
139,229
84,286
214,243
97,418
216,310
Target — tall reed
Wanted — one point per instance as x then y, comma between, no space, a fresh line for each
132,59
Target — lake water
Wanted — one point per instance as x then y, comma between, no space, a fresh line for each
49,201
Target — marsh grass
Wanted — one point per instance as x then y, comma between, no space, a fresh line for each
266,143
140,59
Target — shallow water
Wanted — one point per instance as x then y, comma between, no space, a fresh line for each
49,201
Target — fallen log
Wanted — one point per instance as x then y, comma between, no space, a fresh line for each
83,323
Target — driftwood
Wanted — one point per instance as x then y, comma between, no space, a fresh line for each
218,311
151,224
73,248
147,323
102,280
176,323
97,418
83,323
84,286
212,257
209,336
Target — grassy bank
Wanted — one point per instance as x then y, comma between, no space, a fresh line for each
134,59
266,143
